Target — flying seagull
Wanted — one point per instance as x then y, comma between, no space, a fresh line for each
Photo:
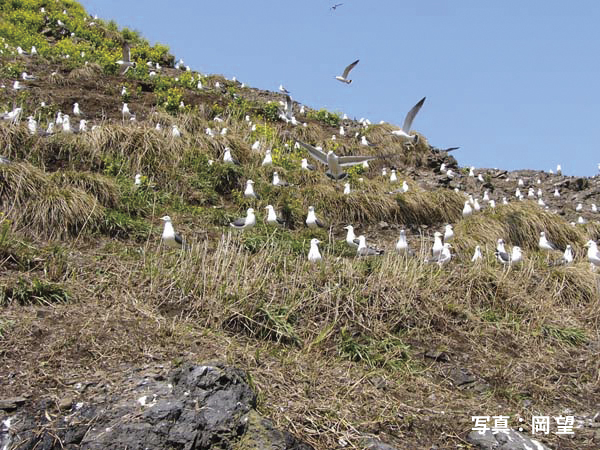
245,222
408,123
126,62
336,6
334,162
344,77
169,236
272,218
311,219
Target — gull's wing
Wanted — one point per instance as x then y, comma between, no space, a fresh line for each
314,152
320,224
288,103
280,221
411,115
178,239
239,222
126,52
349,68
347,161
503,256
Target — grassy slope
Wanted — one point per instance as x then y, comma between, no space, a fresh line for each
339,350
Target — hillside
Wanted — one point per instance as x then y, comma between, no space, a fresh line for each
387,346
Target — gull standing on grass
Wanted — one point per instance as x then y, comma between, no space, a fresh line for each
311,219
249,191
125,112
516,255
344,77
545,244
314,255
364,250
436,250
175,132
351,238
346,188
408,123
268,159
477,254
593,254
444,255
228,159
467,210
272,218
278,181
169,236
402,244
448,233
335,163
245,222
305,165
568,255
76,110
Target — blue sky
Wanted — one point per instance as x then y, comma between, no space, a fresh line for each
514,83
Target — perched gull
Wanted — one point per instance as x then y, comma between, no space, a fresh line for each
351,239
437,244
305,165
472,171
175,131
477,254
283,90
314,255
245,222
364,250
267,160
169,236
408,123
516,256
556,193
76,110
545,244
249,191
593,254
272,218
344,77
402,244
365,142
393,177
137,180
568,255
384,172
335,163
448,233
125,111
31,125
579,207
227,158
278,181
444,255
501,253
594,208
346,188
27,77
311,219
467,210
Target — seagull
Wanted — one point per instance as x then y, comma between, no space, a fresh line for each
138,179
384,172
227,158
558,169
334,162
249,191
346,188
504,201
31,125
169,236
477,254
314,255
17,86
581,220
351,238
82,125
480,178
556,193
125,111
594,208
333,8
311,219
272,218
579,207
568,255
283,90
448,233
593,254
175,131
365,142
472,171
408,123
27,77
126,62
256,145
245,222
492,203
402,244
287,115
268,160
279,182
437,244
364,250
123,91
66,124
476,206
467,210
393,177
545,244
444,255
516,255
305,165
344,77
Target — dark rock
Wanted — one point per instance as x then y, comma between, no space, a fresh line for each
504,440
194,407
437,355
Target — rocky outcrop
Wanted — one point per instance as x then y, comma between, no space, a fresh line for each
192,407
504,440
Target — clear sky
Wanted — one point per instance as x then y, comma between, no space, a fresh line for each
514,83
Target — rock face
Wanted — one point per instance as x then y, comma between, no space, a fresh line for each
194,407
504,440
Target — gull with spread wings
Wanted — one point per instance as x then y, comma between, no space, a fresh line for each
408,123
335,163
344,77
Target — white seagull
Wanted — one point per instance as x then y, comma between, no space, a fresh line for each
311,219
408,123
272,218
335,163
436,250
314,255
227,158
169,236
283,90
364,250
593,254
477,254
268,159
351,238
278,181
402,244
344,77
545,244
467,210
245,222
568,255
249,191
448,233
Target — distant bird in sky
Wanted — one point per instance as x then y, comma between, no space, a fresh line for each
245,222
336,6
169,236
272,218
335,163
344,77
314,255
410,117
311,219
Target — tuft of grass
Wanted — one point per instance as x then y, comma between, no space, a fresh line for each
101,187
32,292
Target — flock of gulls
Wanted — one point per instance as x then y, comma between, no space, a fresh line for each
335,168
